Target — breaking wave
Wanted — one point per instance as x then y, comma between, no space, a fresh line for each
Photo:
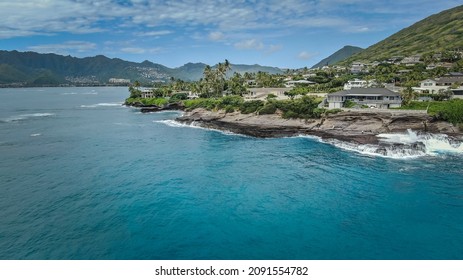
114,104
26,116
173,123
406,145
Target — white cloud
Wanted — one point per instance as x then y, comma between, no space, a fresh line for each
154,33
273,48
216,36
250,44
65,48
137,50
304,55
133,50
158,18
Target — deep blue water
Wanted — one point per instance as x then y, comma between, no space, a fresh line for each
101,181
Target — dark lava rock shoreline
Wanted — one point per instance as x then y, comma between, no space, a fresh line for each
348,126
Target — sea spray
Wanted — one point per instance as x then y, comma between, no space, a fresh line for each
406,145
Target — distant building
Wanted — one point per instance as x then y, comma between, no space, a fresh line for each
356,83
299,82
262,93
147,92
411,60
372,97
357,67
119,81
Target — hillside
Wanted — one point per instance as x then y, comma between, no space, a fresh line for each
34,69
439,32
340,55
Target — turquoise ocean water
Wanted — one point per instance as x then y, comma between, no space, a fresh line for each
82,177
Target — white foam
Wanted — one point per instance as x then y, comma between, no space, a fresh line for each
406,145
27,116
173,123
114,104
35,134
377,151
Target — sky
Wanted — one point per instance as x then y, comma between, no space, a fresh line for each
280,33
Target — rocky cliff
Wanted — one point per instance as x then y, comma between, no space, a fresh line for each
350,126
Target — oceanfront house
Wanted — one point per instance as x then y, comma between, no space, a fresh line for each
192,95
262,93
299,82
372,97
147,92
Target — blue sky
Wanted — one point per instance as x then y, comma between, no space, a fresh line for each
281,33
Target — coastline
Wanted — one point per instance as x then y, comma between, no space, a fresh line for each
349,126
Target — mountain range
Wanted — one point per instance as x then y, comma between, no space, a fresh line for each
340,55
34,69
436,33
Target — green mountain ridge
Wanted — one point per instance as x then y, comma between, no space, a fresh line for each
340,55
436,33
35,69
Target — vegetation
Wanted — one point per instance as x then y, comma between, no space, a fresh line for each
451,111
157,101
441,32
305,107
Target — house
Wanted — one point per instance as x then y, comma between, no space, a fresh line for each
371,97
117,81
452,79
411,60
262,93
298,82
357,67
356,83
147,92
429,86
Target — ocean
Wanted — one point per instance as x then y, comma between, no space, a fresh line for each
83,177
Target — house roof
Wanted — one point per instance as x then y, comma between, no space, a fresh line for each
451,79
365,92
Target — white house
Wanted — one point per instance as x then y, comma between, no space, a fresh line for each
442,83
147,92
371,97
358,67
429,86
262,93
298,82
411,60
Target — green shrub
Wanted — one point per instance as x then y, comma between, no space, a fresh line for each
290,115
349,104
268,109
206,103
178,97
234,101
333,111
452,112
229,109
249,107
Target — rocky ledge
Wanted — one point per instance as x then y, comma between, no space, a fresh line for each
154,108
350,126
